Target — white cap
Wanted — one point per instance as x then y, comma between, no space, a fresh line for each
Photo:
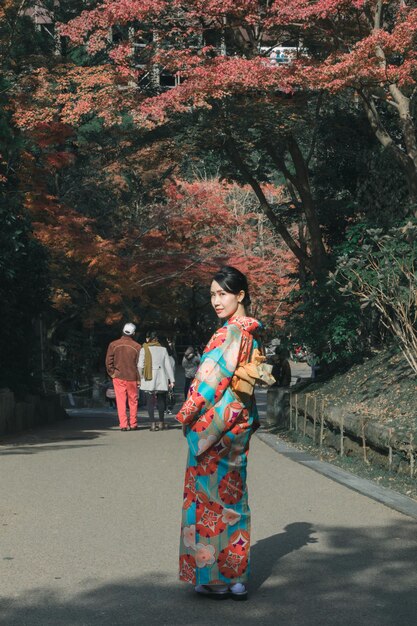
129,329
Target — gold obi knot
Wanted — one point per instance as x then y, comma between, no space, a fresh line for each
256,371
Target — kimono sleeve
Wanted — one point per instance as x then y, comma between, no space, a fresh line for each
211,407
213,376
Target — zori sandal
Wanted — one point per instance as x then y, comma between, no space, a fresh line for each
238,591
217,592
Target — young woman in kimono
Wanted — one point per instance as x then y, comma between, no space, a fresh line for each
218,424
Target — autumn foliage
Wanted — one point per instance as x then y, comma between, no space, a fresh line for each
209,223
105,164
101,269
368,46
219,54
198,226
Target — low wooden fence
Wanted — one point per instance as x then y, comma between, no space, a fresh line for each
328,424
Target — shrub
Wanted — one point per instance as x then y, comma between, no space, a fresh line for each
379,269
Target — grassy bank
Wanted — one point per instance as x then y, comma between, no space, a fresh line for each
381,391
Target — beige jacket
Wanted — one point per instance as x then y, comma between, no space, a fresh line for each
162,370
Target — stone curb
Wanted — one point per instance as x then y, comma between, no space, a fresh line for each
392,499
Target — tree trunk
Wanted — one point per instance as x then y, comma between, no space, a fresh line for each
406,157
407,162
411,176
318,251
300,181
279,226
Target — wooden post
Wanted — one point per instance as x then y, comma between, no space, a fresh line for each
296,412
389,449
290,410
342,436
314,419
305,415
411,456
365,457
322,423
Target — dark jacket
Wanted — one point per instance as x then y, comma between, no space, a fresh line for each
122,358
281,371
190,364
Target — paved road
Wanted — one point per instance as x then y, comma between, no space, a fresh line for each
89,525
300,370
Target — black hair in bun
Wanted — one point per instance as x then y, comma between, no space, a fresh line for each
233,281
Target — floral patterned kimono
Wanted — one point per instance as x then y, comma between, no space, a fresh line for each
215,531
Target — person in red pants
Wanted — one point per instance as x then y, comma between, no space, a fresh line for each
122,366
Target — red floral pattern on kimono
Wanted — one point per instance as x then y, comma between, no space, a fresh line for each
215,531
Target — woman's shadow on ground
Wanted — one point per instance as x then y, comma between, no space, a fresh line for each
266,553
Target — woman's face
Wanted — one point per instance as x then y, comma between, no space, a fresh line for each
225,304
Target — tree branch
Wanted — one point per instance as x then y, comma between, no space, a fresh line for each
264,205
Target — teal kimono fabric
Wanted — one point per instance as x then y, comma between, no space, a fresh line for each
215,530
